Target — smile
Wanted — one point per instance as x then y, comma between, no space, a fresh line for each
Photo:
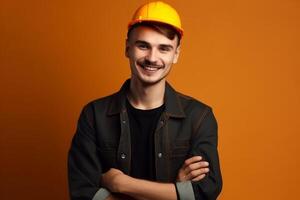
150,68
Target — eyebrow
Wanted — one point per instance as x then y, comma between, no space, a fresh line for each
147,43
141,42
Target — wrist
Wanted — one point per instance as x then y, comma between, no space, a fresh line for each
125,184
122,183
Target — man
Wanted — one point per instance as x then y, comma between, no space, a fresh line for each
146,141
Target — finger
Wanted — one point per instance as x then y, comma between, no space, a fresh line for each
192,160
198,178
195,166
197,172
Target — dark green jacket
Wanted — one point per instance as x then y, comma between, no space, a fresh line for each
186,128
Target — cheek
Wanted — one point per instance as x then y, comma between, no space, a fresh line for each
169,60
132,56
136,55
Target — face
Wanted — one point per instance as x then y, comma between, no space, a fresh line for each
151,55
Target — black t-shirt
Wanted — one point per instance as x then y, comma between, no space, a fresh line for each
142,127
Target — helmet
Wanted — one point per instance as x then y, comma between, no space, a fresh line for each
157,12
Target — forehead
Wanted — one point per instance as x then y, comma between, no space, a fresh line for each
150,36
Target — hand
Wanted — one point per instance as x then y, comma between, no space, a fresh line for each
193,169
112,179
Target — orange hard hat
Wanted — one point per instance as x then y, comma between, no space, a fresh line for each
157,12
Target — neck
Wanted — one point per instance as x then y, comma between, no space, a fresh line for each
146,96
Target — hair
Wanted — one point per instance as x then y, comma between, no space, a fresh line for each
165,29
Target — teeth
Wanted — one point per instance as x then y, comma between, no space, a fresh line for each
151,68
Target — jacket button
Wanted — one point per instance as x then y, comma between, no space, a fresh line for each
123,121
123,155
159,155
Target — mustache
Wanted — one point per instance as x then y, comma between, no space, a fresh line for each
148,63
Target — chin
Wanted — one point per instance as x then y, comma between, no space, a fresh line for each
151,80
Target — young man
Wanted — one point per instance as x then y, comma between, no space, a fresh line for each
146,141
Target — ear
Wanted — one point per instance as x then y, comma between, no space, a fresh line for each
127,48
176,56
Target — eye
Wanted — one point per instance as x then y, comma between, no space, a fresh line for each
164,49
143,46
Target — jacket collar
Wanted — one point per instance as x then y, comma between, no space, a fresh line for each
171,99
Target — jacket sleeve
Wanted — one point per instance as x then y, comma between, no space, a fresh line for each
205,144
84,166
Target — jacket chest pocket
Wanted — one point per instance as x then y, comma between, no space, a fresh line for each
179,148
108,158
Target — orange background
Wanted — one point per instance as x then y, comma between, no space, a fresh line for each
240,57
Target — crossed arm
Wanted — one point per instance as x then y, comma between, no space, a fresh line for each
85,170
125,187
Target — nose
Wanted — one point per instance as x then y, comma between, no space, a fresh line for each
152,56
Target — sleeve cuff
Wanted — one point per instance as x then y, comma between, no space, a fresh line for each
185,190
101,194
